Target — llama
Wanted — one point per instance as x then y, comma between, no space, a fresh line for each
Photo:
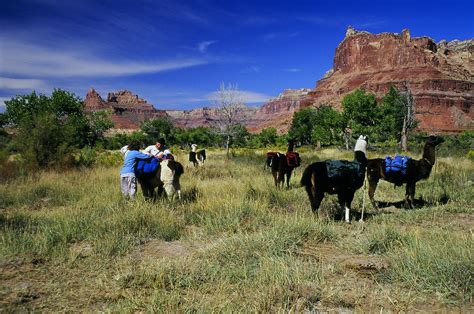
282,165
339,177
165,178
197,157
416,170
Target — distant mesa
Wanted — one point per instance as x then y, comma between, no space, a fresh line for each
128,110
439,75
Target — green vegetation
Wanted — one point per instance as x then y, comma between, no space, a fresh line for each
69,242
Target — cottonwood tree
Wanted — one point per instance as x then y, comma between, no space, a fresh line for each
230,106
409,121
397,117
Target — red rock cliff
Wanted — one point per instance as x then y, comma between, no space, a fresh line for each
128,110
440,76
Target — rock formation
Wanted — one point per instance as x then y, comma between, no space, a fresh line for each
440,76
128,110
278,112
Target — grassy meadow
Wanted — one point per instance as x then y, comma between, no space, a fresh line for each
70,242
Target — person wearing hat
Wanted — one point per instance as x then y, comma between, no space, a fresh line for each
159,149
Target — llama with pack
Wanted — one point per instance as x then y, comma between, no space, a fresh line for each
403,170
282,165
339,177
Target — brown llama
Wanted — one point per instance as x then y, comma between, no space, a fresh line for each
283,165
339,177
416,170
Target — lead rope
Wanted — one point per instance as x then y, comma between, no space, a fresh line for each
363,201
433,176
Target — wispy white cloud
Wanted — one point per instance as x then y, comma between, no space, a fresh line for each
246,96
21,59
251,69
278,35
293,70
13,83
2,103
202,46
341,21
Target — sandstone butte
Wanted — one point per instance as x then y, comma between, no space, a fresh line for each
439,76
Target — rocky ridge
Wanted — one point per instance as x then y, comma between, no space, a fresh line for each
439,75
128,111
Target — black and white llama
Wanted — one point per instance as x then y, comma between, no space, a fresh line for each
197,157
339,177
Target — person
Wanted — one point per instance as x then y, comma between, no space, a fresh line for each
159,149
128,180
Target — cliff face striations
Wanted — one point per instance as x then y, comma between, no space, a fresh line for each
440,76
278,112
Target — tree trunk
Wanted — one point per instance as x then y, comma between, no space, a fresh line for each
346,139
318,145
227,145
404,137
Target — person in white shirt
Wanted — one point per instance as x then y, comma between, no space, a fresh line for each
159,150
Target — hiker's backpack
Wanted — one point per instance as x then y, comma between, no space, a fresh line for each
147,167
293,159
396,166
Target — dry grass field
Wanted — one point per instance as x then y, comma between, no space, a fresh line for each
70,242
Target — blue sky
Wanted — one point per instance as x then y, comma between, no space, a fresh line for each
176,53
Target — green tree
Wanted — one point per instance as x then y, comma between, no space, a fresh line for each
49,127
361,112
391,113
99,122
240,135
328,127
157,128
267,136
302,125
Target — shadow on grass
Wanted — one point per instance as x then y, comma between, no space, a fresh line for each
418,203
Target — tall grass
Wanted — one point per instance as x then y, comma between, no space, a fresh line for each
249,247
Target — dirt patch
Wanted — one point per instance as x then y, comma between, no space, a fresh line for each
463,220
81,249
328,253
17,287
153,248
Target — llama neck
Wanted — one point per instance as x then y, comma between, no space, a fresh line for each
429,154
360,157
291,147
193,149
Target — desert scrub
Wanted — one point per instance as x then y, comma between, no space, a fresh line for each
263,267
384,239
438,263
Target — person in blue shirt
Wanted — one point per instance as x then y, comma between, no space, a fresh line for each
128,180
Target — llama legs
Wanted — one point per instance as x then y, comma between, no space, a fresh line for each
288,177
410,195
315,198
345,200
372,188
